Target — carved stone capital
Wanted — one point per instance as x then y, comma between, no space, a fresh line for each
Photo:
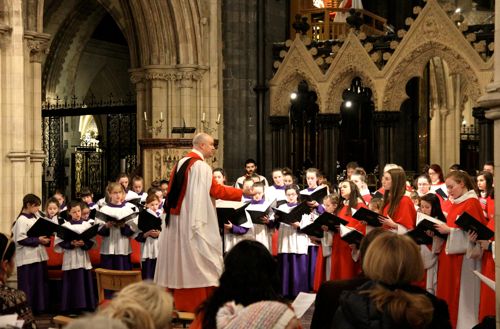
136,76
38,45
186,76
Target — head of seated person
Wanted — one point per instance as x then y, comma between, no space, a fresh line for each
141,305
250,275
392,262
265,314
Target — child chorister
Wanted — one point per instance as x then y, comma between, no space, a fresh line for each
77,284
261,232
277,190
31,256
116,233
149,224
312,176
292,250
52,210
324,259
138,188
124,181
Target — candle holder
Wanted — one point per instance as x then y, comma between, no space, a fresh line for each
205,124
154,128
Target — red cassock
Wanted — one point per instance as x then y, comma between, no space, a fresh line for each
343,266
450,266
487,295
405,213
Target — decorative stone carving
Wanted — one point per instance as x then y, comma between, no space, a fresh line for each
38,45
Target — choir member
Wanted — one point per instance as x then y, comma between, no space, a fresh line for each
455,282
31,256
359,178
486,194
398,209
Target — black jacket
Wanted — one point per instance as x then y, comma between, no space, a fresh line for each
356,311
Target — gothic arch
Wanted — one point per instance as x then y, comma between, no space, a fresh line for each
342,81
281,99
413,66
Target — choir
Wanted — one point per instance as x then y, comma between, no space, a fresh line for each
276,216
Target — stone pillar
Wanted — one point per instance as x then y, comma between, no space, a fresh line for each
486,140
169,96
21,53
37,47
329,129
280,150
491,101
385,123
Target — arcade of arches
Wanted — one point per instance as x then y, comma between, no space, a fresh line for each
133,70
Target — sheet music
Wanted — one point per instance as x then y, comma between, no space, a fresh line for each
302,303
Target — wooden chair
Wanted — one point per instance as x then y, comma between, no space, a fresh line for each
114,280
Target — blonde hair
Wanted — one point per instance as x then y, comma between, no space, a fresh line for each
394,260
114,185
142,305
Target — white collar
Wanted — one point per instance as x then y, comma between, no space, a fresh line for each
471,194
199,153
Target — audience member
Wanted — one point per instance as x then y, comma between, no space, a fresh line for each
388,300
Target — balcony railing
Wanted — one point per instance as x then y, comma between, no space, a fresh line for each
323,26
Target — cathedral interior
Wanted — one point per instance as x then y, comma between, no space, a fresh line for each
99,87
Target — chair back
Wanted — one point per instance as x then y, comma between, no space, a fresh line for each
114,280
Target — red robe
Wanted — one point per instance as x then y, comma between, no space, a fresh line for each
343,266
405,213
487,295
188,299
450,266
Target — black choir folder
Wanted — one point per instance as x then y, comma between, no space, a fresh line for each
318,195
42,227
108,218
69,235
419,236
147,222
294,215
350,235
327,219
442,193
259,211
231,211
370,217
468,223
427,223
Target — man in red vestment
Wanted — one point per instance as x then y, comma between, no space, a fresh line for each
190,247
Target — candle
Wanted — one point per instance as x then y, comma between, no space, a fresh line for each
218,117
203,117
161,115
145,116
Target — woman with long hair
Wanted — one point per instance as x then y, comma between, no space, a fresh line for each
250,275
344,266
486,193
456,282
398,210
392,262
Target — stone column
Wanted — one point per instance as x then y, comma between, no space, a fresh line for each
486,140
37,47
280,150
385,123
329,129
491,101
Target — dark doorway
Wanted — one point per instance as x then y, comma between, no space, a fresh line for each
357,142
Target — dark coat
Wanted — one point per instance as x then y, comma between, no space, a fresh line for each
356,311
